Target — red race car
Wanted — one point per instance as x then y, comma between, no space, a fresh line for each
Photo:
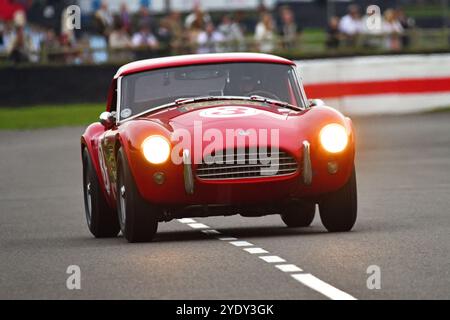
215,134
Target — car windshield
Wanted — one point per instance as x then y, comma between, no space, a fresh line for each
144,91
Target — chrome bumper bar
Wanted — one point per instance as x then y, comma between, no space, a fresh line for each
307,168
187,172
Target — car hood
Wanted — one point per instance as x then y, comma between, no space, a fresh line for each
244,121
232,116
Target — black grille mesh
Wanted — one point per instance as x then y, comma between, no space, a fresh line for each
247,163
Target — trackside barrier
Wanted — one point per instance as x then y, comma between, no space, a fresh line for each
356,86
380,84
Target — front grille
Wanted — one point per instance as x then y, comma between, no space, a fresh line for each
247,163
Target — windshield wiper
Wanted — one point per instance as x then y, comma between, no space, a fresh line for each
181,101
275,102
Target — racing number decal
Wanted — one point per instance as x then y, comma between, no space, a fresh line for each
228,112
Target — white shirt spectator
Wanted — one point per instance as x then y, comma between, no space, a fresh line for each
350,26
141,39
23,44
190,18
264,37
392,27
233,35
209,42
392,30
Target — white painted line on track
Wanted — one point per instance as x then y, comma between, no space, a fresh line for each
241,243
186,220
272,259
306,279
227,238
210,231
198,226
256,250
288,268
320,286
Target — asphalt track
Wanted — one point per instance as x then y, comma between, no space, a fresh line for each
403,167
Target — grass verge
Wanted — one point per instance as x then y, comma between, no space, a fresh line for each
49,116
67,116
439,110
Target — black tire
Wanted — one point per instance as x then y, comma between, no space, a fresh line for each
338,210
141,218
299,214
101,219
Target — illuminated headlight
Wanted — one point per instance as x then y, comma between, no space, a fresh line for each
156,149
333,138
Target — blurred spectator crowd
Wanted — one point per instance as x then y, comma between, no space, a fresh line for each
387,30
123,36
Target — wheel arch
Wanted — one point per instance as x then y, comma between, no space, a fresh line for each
89,142
317,118
121,142
130,137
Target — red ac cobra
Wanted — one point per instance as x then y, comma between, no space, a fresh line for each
215,134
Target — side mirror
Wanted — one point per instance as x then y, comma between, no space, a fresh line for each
316,103
107,119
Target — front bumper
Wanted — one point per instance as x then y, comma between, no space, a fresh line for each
182,187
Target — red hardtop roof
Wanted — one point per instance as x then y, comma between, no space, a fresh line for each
192,59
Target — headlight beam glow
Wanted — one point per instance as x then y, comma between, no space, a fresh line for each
333,137
156,149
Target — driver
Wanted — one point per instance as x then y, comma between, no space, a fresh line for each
242,83
247,84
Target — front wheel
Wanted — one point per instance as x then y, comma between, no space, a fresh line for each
338,210
101,219
299,214
138,218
